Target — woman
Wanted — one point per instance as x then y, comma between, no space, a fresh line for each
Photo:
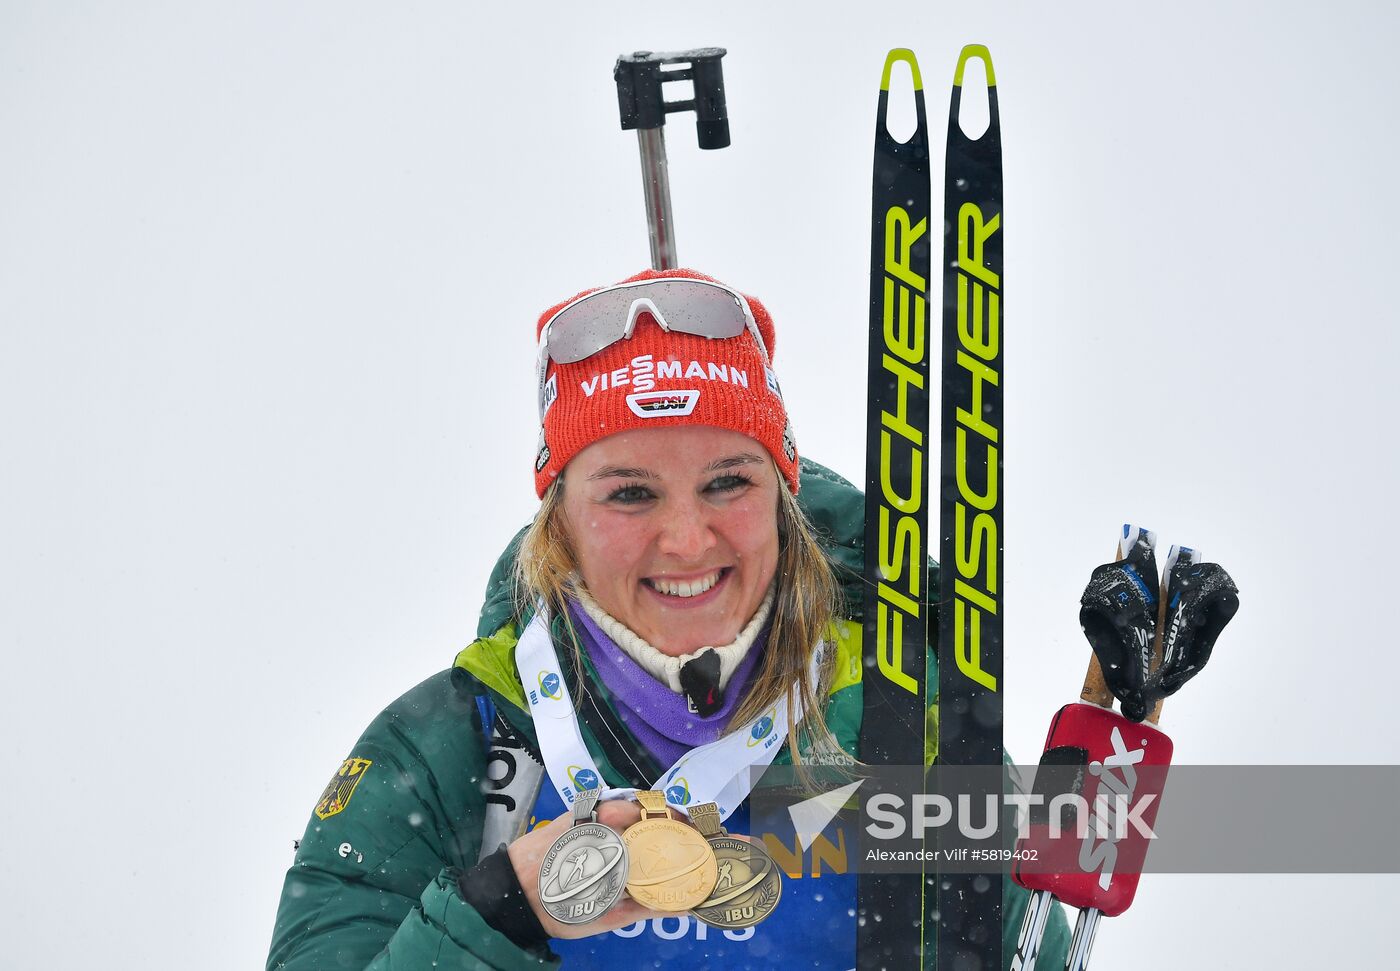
673,617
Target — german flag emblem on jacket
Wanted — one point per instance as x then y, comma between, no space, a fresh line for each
341,787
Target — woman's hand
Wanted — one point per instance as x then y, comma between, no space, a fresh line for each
527,853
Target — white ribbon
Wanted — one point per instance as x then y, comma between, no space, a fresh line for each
716,772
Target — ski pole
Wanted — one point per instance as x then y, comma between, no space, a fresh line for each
1063,747
1111,758
643,107
1096,692
1139,658
1033,930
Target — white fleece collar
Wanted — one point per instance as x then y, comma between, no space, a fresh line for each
663,667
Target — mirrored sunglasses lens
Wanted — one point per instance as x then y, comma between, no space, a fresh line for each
693,307
586,327
600,320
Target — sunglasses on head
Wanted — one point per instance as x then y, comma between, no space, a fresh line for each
598,320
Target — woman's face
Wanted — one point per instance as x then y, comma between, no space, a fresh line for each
675,531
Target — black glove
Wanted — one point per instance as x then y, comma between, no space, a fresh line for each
1201,599
1119,611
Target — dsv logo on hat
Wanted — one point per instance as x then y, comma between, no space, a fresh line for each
663,404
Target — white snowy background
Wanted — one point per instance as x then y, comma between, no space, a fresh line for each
268,280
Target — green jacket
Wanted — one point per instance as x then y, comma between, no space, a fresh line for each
374,882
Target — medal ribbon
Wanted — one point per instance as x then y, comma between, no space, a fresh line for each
704,774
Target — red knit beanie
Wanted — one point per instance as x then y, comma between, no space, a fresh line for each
660,379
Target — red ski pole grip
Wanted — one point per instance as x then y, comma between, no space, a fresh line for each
1093,807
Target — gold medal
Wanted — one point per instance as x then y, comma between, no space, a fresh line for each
672,866
749,884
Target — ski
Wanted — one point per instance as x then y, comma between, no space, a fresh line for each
890,907
971,503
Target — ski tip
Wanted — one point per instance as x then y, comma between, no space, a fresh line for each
968,53
893,58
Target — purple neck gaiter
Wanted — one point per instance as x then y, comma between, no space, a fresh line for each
658,717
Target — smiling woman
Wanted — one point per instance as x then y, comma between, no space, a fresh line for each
682,613
675,531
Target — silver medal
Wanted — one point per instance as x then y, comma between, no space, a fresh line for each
585,871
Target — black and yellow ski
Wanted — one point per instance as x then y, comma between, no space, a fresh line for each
890,906
972,497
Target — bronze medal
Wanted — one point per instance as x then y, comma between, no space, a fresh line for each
672,866
749,884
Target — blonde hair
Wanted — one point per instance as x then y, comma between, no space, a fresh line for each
805,604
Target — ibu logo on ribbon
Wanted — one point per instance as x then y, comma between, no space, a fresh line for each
584,779
551,685
678,793
762,729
